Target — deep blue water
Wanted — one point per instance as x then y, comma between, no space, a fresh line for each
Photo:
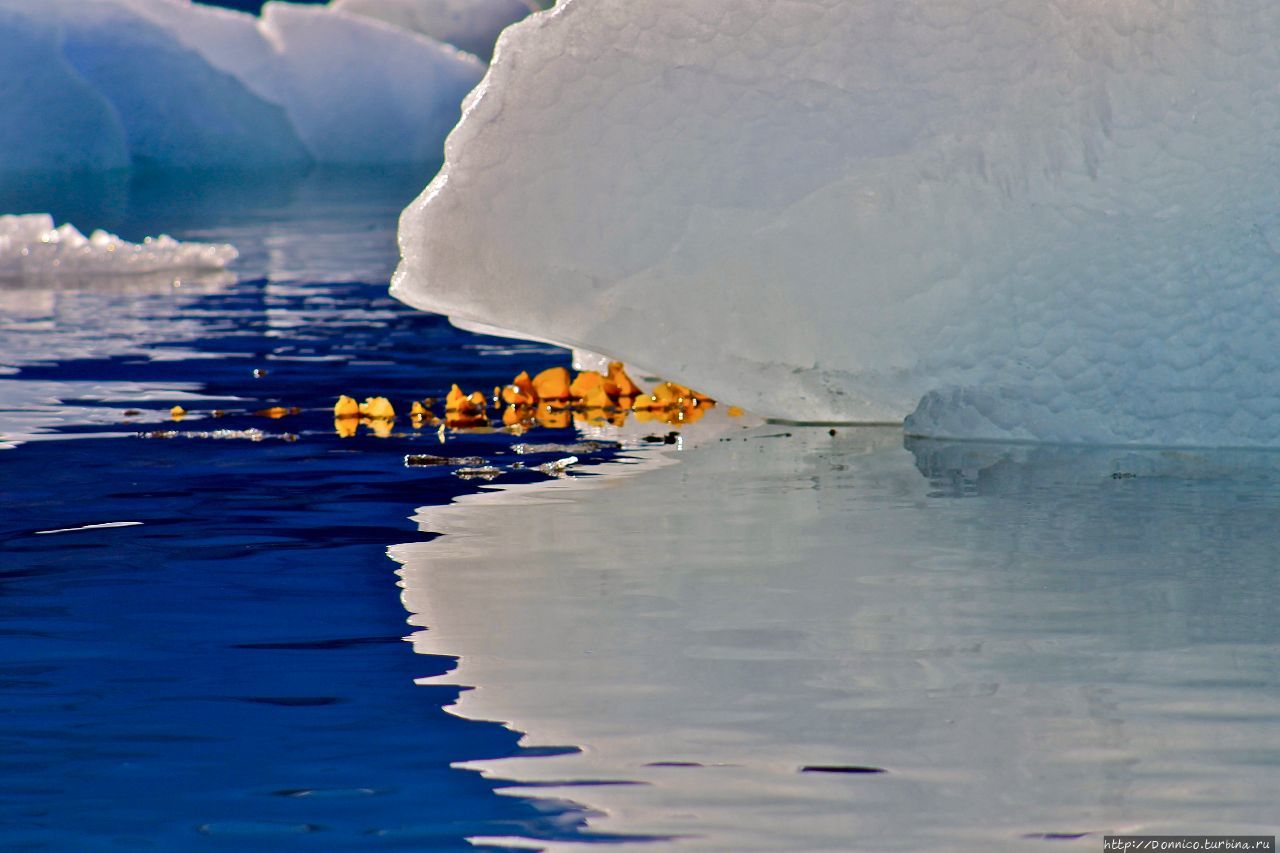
231,672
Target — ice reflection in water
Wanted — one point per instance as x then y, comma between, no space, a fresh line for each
1032,642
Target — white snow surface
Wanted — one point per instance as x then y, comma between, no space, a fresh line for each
31,247
1051,221
470,25
101,84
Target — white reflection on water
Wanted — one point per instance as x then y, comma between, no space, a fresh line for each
1030,641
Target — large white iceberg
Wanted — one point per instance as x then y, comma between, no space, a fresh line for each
1048,221
100,84
471,25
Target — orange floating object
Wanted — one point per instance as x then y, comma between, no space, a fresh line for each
346,407
584,383
553,417
596,398
277,412
177,413
377,407
621,382
552,384
520,392
734,412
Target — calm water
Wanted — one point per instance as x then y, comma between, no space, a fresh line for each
1035,645
229,671
974,647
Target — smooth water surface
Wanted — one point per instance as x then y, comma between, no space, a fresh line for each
804,640
201,640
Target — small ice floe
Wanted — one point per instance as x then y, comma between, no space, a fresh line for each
558,468
427,460
486,472
32,248
251,434
579,447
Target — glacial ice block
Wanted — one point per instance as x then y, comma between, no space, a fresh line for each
470,25
1051,221
53,120
170,83
32,248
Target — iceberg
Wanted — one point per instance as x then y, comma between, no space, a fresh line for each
32,248
169,83
470,25
1036,222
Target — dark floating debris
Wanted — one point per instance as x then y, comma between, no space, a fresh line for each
1057,836
326,793
854,769
674,764
487,472
426,460
580,447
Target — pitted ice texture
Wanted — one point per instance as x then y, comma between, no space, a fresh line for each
102,84
1046,221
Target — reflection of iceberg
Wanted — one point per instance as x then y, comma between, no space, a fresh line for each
102,84
1061,219
32,249
1035,653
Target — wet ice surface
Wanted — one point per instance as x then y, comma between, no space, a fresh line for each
1031,643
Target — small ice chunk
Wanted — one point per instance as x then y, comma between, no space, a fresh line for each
32,248
487,472
427,460
558,468
580,447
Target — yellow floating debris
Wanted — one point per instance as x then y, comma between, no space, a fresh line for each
622,384
553,417
346,426
346,407
277,412
520,392
465,410
377,407
381,427
584,383
177,413
552,384
735,412
596,398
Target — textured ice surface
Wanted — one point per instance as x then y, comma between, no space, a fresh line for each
1057,220
31,247
104,83
471,25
